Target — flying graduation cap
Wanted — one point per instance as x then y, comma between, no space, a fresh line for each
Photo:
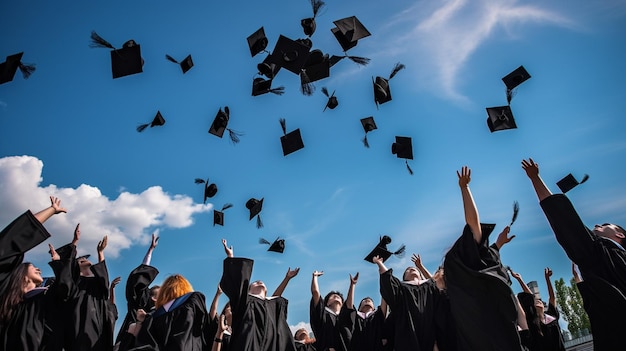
291,141
382,251
316,67
220,124
255,206
569,182
368,124
268,68
210,189
500,118
308,24
262,86
290,54
512,80
403,148
382,92
185,64
9,67
277,246
348,31
157,121
332,99
218,216
124,61
257,42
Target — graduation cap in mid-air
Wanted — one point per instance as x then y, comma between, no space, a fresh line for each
257,42
262,86
332,99
210,189
9,67
382,251
124,61
316,67
83,256
268,68
382,92
403,148
290,54
185,64
277,246
158,120
291,141
218,216
569,182
348,31
500,118
255,206
220,124
308,24
512,80
369,125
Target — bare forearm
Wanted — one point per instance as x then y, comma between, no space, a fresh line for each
541,189
471,213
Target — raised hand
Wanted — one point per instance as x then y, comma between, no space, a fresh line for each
355,279
53,253
465,176
503,237
318,273
55,203
228,250
102,244
417,260
290,274
547,272
115,281
531,168
155,240
76,235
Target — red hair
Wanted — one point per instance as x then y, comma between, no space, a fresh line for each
172,288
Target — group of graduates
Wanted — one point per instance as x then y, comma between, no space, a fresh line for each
467,304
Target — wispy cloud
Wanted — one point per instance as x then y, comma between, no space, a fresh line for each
3,105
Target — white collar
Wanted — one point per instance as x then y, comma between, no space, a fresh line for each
331,311
614,242
364,315
260,297
413,282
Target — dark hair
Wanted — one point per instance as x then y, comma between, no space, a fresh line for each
527,301
13,294
153,289
331,293
621,230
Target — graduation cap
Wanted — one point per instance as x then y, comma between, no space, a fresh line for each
9,67
500,118
268,68
308,24
255,206
220,124
291,141
157,121
382,92
218,216
317,67
513,79
83,256
348,31
210,189
290,54
185,64
569,182
257,41
368,124
403,148
332,99
262,86
381,250
277,246
124,61
362,61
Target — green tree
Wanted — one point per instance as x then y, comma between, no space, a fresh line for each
571,306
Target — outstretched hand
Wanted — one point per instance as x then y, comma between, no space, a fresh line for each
531,168
547,272
515,275
228,250
318,273
355,279
290,274
115,281
76,235
377,259
53,253
55,203
465,176
417,260
503,237
102,244
155,241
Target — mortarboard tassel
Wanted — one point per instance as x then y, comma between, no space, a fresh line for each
264,241
198,181
400,251
227,206
283,125
325,91
27,69
98,42
277,91
234,136
259,223
365,142
363,61
396,69
170,58
408,167
585,178
306,87
317,5
141,127
510,93
515,212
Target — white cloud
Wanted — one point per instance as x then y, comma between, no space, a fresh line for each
127,220
304,325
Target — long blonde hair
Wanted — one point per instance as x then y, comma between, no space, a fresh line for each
172,288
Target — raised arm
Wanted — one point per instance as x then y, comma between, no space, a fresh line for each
523,285
417,260
383,307
102,244
551,296
350,297
76,235
504,238
281,287
381,265
216,299
469,207
112,289
153,244
315,288
532,171
46,213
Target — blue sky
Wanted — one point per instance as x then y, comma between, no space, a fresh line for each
69,131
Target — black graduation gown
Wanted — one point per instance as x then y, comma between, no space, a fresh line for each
212,330
21,235
328,333
258,324
305,347
550,338
137,294
602,265
445,326
366,332
481,300
414,308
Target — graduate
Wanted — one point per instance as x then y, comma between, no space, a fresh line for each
259,322
323,316
303,341
600,256
481,300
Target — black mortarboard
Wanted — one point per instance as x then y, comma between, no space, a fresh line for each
218,216
317,67
486,229
277,246
220,124
185,64
381,250
348,31
210,189
368,124
308,24
124,61
513,79
9,67
290,54
291,141
569,182
332,99
500,118
257,42
255,206
157,121
382,92
268,68
403,148
83,256
261,86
